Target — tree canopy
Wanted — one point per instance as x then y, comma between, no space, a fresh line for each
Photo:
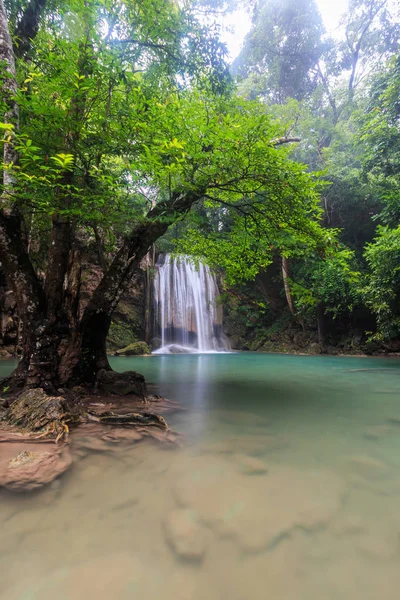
123,120
119,119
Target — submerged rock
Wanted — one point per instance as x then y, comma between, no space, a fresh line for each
188,539
135,349
259,512
29,471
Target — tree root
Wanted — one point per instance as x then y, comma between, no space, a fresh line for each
41,416
145,418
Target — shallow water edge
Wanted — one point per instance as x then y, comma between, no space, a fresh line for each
286,483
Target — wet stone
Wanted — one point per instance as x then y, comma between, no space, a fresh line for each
30,470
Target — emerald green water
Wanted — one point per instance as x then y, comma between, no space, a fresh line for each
286,486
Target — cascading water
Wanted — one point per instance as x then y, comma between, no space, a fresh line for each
187,316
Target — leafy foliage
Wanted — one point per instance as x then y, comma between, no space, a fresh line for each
382,286
331,281
282,49
129,116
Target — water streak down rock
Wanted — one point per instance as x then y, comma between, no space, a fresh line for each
188,317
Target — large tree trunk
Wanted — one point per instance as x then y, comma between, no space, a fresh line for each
96,319
59,349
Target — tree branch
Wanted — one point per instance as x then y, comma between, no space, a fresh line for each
284,140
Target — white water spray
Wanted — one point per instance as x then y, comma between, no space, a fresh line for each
186,311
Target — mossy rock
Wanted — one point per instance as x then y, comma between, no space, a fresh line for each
128,325
121,334
137,348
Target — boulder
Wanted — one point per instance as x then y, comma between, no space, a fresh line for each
29,471
135,349
177,349
121,384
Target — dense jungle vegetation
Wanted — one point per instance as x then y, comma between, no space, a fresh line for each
123,121
337,98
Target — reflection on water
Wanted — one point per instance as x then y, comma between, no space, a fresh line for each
287,486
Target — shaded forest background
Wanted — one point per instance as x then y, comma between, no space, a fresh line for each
339,98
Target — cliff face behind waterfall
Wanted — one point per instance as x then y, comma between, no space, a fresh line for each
251,317
187,309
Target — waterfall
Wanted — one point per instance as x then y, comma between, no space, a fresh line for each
187,317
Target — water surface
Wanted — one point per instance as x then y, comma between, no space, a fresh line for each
287,486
